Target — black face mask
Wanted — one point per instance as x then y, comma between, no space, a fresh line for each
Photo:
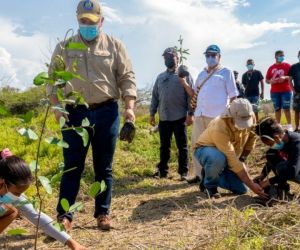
170,62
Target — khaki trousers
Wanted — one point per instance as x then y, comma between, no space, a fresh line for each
200,124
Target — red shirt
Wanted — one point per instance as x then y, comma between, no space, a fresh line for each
275,72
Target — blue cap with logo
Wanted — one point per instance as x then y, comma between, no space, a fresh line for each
213,49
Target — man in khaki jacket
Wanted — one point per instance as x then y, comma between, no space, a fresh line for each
107,76
223,148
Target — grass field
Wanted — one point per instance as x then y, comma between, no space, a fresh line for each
156,214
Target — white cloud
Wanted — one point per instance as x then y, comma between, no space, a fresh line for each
203,23
21,54
295,32
7,71
111,15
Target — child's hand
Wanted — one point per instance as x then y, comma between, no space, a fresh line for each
6,153
74,245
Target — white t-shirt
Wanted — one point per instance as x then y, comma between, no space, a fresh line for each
215,94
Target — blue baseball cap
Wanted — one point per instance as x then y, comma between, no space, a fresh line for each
213,48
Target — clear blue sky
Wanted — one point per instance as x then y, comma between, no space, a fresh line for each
243,28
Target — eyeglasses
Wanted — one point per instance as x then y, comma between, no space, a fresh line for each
213,55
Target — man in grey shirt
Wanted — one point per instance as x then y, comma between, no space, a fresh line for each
173,103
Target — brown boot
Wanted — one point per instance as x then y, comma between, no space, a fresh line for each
103,222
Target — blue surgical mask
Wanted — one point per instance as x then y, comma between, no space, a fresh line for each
250,67
278,146
211,61
89,32
8,198
280,59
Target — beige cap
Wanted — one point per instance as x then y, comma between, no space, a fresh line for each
89,9
242,113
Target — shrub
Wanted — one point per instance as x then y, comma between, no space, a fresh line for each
18,102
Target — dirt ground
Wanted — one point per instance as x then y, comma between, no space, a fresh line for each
167,214
172,216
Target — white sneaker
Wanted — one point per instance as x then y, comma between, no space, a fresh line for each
289,127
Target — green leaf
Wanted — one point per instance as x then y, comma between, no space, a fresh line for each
56,178
18,231
85,122
78,206
61,166
72,93
76,46
40,79
60,95
78,77
95,189
60,109
33,166
84,135
32,135
69,101
59,227
57,142
103,186
28,117
62,122
65,205
22,131
46,184
64,75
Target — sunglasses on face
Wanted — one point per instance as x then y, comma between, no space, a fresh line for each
213,55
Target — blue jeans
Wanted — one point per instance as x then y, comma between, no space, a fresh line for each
217,172
282,100
103,139
254,100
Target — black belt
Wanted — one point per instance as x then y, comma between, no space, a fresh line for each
92,106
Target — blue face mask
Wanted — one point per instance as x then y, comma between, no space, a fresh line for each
8,198
278,146
211,61
280,59
89,32
250,67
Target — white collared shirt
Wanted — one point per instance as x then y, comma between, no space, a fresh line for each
215,94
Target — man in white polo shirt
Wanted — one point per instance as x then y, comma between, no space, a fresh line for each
214,95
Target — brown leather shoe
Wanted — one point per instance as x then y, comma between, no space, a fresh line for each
66,223
103,222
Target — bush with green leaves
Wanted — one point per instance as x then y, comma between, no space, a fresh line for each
20,102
